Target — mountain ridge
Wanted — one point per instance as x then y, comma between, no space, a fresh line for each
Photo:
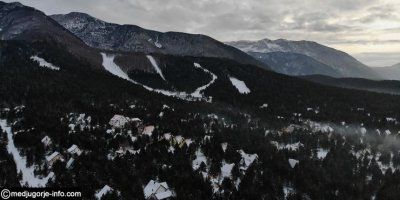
339,60
19,22
294,64
132,38
390,72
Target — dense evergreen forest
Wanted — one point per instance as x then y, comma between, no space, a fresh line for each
287,139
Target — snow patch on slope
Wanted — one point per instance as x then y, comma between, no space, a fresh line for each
28,176
155,65
198,92
240,85
44,63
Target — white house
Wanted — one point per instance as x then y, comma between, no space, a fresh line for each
103,191
156,190
74,150
69,163
46,141
54,157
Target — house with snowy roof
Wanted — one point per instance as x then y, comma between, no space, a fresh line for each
167,136
70,163
148,130
103,191
53,158
74,150
46,141
157,191
178,140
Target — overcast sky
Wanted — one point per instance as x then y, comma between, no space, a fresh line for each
367,29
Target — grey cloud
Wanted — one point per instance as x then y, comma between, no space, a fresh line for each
364,42
381,12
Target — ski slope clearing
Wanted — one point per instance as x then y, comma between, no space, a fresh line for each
155,65
110,66
199,91
240,85
28,176
44,63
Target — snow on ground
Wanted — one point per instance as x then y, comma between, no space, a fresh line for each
224,146
321,153
28,176
44,63
198,92
287,190
226,169
110,66
247,159
240,85
293,162
200,158
155,66
105,190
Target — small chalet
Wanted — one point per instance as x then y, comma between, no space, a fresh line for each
148,130
74,150
70,163
54,157
157,191
46,141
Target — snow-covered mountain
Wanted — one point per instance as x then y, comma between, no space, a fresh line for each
131,38
390,73
19,22
294,64
342,62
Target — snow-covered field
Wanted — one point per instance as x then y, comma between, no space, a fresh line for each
44,63
28,176
240,85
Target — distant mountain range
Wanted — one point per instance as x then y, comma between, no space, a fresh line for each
341,64
379,86
131,38
294,64
390,73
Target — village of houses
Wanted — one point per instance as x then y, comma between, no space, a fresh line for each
155,189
